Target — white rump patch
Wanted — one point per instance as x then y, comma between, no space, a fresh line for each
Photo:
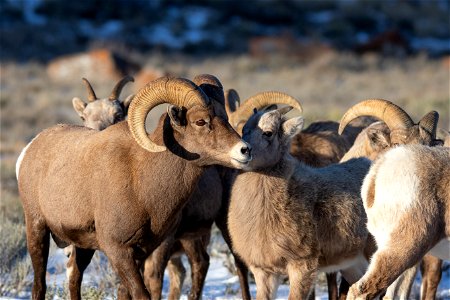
396,187
442,249
21,156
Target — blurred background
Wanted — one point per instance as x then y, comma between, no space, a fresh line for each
328,54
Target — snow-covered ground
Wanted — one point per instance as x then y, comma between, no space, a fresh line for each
220,283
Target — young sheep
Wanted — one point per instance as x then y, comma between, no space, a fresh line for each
406,196
130,211
294,215
100,113
376,139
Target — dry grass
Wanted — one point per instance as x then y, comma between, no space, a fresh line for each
327,87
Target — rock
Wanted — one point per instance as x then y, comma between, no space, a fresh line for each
101,64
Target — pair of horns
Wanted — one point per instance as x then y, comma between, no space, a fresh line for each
259,101
391,114
115,92
176,91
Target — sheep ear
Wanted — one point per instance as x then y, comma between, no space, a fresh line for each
378,139
78,105
292,126
177,116
127,101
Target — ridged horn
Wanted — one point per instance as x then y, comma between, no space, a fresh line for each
119,86
91,93
429,122
386,111
211,86
177,91
259,101
231,98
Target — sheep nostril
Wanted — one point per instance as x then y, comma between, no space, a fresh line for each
245,150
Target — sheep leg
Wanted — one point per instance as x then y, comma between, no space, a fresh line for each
177,273
302,275
38,244
401,287
199,259
122,260
241,268
431,276
266,284
343,289
332,286
155,265
386,265
78,261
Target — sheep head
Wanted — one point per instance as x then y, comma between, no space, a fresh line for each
191,127
269,133
402,129
101,113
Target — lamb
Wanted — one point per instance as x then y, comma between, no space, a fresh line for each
376,139
130,211
294,215
101,113
406,195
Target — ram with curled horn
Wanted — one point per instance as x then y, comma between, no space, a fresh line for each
399,128
138,182
193,233
101,113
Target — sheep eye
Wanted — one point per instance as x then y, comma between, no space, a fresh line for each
267,133
83,119
200,122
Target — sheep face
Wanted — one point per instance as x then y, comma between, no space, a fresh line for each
101,113
208,138
269,134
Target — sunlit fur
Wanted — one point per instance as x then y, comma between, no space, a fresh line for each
98,189
296,218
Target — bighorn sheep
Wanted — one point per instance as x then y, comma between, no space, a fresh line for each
406,195
101,113
376,139
116,190
193,233
294,215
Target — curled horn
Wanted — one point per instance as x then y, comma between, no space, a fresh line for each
119,86
177,91
260,101
388,112
91,93
211,86
231,98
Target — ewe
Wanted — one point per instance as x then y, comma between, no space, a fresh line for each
298,219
